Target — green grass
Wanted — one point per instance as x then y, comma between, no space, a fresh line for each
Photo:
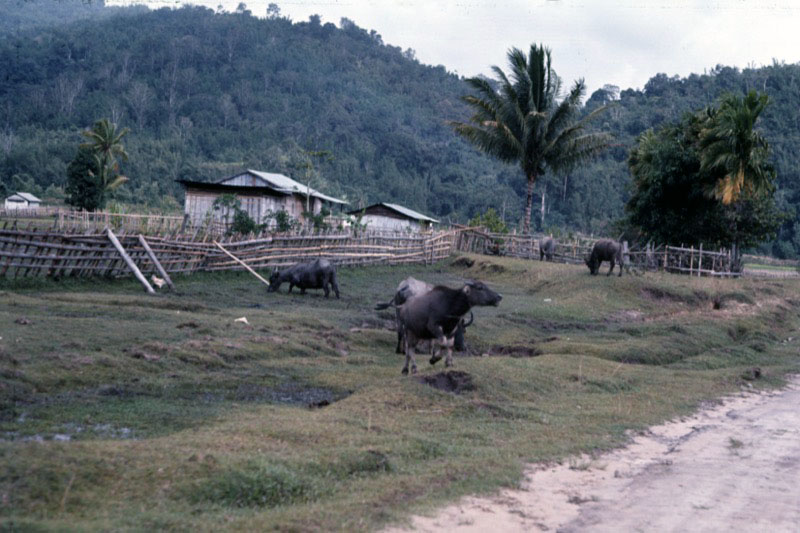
121,411
782,268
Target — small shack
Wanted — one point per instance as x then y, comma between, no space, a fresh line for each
22,200
260,194
393,217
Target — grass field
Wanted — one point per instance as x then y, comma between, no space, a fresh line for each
120,411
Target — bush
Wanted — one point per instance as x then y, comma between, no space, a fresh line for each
255,485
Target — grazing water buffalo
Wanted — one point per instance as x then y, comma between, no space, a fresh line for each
547,248
605,250
407,289
317,274
436,314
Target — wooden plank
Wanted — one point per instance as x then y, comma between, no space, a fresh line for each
155,261
253,272
129,261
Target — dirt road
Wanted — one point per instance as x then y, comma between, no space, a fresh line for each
733,467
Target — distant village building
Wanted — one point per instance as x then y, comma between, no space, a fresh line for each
260,194
384,216
22,200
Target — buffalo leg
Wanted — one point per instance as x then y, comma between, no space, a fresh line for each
410,358
399,325
290,288
334,284
326,289
448,344
438,336
436,355
612,267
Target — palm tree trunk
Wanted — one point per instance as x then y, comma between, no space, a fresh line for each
526,223
544,191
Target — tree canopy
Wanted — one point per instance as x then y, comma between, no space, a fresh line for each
683,191
522,121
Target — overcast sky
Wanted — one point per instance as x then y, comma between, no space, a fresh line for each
621,42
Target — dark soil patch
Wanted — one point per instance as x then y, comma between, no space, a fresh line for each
193,325
287,395
514,351
663,295
752,374
453,381
464,262
722,301
492,267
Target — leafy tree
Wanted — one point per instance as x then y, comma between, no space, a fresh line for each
489,220
83,190
284,221
524,123
102,176
237,219
671,201
733,153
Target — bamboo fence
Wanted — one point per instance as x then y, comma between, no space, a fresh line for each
676,259
32,252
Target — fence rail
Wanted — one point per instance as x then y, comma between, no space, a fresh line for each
34,252
675,259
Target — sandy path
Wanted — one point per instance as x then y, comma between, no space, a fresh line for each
733,467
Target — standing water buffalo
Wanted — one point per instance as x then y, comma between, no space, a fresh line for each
436,314
315,275
605,250
547,247
407,289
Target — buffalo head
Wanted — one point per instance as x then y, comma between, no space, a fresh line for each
593,264
274,281
479,294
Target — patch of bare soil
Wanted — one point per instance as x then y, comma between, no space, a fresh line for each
513,351
464,262
451,381
494,268
732,467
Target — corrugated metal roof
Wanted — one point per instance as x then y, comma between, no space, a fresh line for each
409,212
287,184
25,196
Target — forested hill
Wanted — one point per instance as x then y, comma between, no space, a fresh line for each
604,184
206,94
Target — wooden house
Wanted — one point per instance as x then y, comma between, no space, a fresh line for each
260,194
393,217
22,200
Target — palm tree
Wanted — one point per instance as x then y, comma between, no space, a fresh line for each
523,122
732,152
104,140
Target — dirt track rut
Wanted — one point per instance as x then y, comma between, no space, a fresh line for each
732,467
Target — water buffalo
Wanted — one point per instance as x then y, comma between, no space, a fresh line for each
605,250
436,314
318,274
407,289
547,247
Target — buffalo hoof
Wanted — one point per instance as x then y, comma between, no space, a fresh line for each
404,371
435,359
413,369
448,364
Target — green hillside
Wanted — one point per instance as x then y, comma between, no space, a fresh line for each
207,93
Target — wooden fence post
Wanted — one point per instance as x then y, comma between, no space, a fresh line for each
129,261
155,261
